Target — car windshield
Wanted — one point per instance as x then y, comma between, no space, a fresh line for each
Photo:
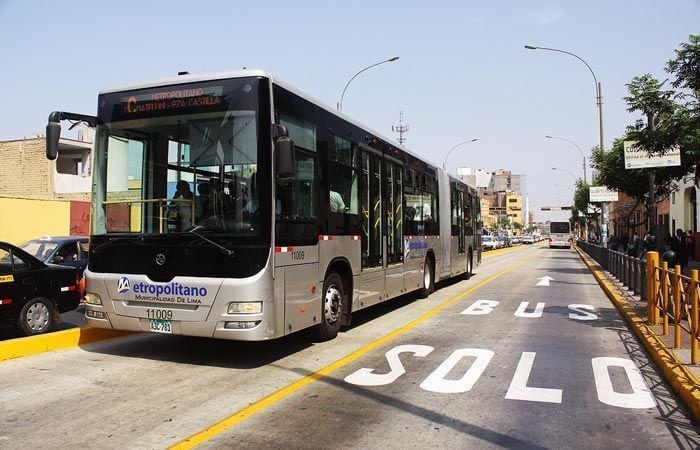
41,250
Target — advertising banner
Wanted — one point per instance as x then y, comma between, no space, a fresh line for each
602,194
638,158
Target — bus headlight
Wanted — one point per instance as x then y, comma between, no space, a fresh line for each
245,308
92,299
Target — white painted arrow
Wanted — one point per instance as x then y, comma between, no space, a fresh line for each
544,281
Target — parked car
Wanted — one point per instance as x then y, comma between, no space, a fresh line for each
64,250
489,243
504,241
32,293
527,239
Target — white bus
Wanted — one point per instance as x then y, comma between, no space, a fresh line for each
560,234
233,206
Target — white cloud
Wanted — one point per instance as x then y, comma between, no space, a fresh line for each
544,16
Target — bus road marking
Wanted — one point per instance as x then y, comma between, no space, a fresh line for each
239,416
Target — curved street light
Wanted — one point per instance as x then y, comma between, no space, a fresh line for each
339,106
579,149
444,164
598,87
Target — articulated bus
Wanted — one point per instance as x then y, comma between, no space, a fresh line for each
560,234
233,206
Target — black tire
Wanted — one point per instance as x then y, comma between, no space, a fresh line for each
332,306
36,316
428,279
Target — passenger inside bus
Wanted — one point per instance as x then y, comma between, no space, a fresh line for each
336,202
201,202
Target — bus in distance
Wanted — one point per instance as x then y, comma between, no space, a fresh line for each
233,206
560,235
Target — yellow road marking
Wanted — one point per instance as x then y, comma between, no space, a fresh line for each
286,391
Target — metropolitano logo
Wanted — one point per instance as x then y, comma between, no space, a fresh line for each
123,285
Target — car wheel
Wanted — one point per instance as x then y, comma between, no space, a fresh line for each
36,316
332,304
428,279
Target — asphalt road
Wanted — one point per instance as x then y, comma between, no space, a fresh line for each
505,363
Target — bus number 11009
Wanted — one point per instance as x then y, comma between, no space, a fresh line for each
161,314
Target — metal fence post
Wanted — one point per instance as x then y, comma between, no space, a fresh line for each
693,319
677,307
643,278
664,297
652,262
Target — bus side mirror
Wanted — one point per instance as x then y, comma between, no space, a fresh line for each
53,133
285,159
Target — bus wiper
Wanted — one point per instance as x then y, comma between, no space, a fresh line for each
111,241
228,252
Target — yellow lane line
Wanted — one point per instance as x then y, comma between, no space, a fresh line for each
230,421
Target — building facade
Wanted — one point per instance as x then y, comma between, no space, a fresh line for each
42,197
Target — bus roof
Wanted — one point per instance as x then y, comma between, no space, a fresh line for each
193,78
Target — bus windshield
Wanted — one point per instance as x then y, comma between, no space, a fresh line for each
184,158
559,227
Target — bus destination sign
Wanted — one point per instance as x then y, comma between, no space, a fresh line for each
172,100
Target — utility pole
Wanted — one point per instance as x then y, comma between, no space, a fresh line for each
401,128
651,123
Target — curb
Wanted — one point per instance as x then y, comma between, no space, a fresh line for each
58,340
683,382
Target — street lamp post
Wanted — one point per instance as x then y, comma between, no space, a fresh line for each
583,158
444,164
567,171
599,102
339,106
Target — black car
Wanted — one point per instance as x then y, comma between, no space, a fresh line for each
64,250
32,293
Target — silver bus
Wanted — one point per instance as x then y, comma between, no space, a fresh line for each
233,206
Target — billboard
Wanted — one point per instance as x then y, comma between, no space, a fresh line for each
638,158
602,194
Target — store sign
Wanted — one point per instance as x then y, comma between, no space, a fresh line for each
602,194
638,158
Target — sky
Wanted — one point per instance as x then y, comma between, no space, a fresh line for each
463,72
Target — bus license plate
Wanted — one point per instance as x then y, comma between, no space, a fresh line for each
161,326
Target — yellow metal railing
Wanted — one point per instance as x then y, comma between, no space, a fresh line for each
673,300
163,204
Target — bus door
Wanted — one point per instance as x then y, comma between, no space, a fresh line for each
372,281
393,217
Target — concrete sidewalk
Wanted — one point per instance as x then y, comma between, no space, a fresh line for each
673,363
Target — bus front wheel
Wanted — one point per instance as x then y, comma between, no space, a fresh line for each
332,299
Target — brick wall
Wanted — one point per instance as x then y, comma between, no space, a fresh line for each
25,172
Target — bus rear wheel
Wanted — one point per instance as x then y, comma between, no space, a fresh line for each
332,304
428,278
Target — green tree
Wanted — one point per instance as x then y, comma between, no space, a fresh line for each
672,118
504,223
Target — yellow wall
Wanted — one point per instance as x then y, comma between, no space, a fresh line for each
22,219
